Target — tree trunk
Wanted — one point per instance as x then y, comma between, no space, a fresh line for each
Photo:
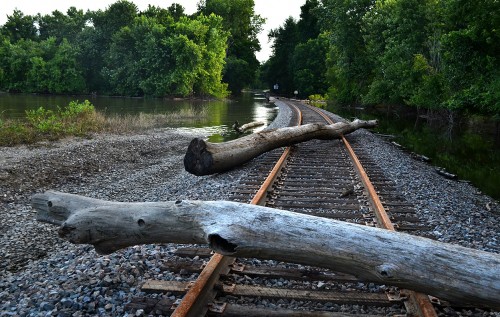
205,158
448,271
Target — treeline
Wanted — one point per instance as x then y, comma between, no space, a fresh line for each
122,51
425,53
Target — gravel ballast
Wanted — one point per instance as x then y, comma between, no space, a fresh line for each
42,275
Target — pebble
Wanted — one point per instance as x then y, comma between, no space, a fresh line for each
41,273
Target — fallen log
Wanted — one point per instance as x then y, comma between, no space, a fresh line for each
205,158
448,271
246,126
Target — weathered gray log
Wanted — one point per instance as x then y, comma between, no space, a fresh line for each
448,271
205,158
242,128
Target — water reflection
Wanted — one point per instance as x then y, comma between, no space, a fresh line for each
471,151
214,114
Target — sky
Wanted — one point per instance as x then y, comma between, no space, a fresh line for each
275,11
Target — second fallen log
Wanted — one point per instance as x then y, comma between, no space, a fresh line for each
205,158
450,272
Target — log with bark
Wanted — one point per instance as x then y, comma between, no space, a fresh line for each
448,271
205,158
242,128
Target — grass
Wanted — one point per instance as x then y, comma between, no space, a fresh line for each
143,121
81,119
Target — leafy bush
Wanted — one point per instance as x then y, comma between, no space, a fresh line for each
318,100
75,119
12,133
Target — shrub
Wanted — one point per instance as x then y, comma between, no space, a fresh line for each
75,119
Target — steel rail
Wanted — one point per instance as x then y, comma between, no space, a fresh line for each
195,302
419,301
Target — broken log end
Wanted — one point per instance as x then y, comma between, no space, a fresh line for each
198,160
49,211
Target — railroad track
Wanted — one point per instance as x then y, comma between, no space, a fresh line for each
320,178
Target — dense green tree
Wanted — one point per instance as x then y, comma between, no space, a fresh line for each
396,32
183,57
42,67
308,25
471,55
299,54
16,61
96,40
176,11
62,26
65,73
279,65
119,50
349,63
240,20
19,27
309,66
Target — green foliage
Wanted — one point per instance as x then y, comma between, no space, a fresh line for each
349,65
309,65
120,51
279,70
62,26
168,57
242,25
429,54
316,97
43,67
298,62
74,119
12,133
19,27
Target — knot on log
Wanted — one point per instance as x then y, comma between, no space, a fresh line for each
386,271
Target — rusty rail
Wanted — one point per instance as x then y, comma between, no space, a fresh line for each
194,302
422,305
201,291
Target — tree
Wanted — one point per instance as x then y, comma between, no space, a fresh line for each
349,63
64,71
19,27
95,41
168,57
16,62
299,54
308,25
279,65
396,33
470,53
176,11
240,20
308,60
62,26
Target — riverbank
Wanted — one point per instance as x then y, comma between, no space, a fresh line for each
41,274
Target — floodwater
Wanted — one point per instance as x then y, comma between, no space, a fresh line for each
470,148
218,115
